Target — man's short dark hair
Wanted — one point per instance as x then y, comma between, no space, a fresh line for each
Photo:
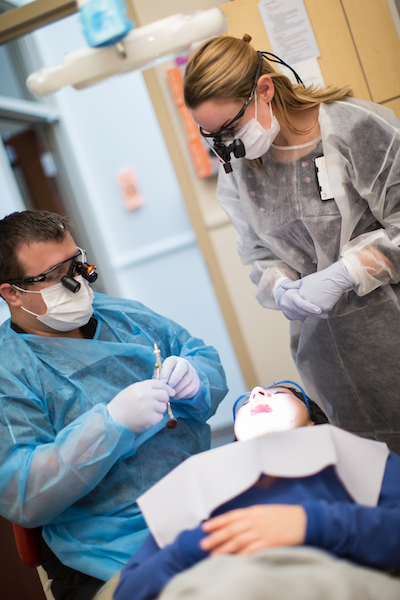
25,227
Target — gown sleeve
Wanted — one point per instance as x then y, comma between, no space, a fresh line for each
366,535
45,474
368,144
267,269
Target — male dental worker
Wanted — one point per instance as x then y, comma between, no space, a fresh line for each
82,420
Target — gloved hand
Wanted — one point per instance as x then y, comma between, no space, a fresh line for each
141,405
291,303
324,288
179,374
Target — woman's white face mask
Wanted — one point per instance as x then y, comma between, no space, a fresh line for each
269,411
257,140
65,311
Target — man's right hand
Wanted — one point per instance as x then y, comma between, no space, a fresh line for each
141,405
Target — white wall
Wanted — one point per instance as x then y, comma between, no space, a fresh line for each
149,254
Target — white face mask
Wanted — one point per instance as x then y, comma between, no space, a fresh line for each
65,311
257,140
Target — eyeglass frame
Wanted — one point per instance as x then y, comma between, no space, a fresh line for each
30,280
218,134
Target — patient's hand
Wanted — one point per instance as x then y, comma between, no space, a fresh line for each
247,530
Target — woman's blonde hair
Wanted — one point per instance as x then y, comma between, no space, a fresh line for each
225,68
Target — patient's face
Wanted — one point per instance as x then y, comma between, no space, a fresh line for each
269,411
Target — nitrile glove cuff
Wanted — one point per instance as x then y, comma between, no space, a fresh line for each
346,281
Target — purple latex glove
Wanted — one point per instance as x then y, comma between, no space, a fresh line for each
323,288
293,306
141,405
180,374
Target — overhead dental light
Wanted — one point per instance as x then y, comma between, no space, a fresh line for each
142,47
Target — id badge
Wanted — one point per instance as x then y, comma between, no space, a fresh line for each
322,178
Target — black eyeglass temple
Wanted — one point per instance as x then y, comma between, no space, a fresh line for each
278,60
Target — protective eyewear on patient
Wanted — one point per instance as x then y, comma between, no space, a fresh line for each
81,267
244,399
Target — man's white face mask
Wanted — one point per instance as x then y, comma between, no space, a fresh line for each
269,411
65,311
257,140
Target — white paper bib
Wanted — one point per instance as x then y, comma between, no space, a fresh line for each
188,494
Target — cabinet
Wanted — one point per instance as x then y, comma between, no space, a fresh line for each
378,46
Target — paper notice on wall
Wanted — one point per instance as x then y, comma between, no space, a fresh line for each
308,70
289,30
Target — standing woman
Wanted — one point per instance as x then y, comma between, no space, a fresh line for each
311,181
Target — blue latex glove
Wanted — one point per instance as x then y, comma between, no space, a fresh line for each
293,306
325,287
179,374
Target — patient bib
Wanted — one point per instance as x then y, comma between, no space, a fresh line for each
188,494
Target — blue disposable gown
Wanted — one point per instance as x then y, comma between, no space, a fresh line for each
348,361
64,462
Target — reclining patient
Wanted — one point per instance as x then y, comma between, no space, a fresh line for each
299,496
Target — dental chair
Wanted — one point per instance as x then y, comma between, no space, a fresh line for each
27,542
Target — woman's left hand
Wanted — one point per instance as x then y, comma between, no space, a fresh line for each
324,288
247,530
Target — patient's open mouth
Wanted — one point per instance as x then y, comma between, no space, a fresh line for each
260,407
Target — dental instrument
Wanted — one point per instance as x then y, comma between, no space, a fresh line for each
157,370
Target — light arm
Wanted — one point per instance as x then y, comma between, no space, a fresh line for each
140,48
